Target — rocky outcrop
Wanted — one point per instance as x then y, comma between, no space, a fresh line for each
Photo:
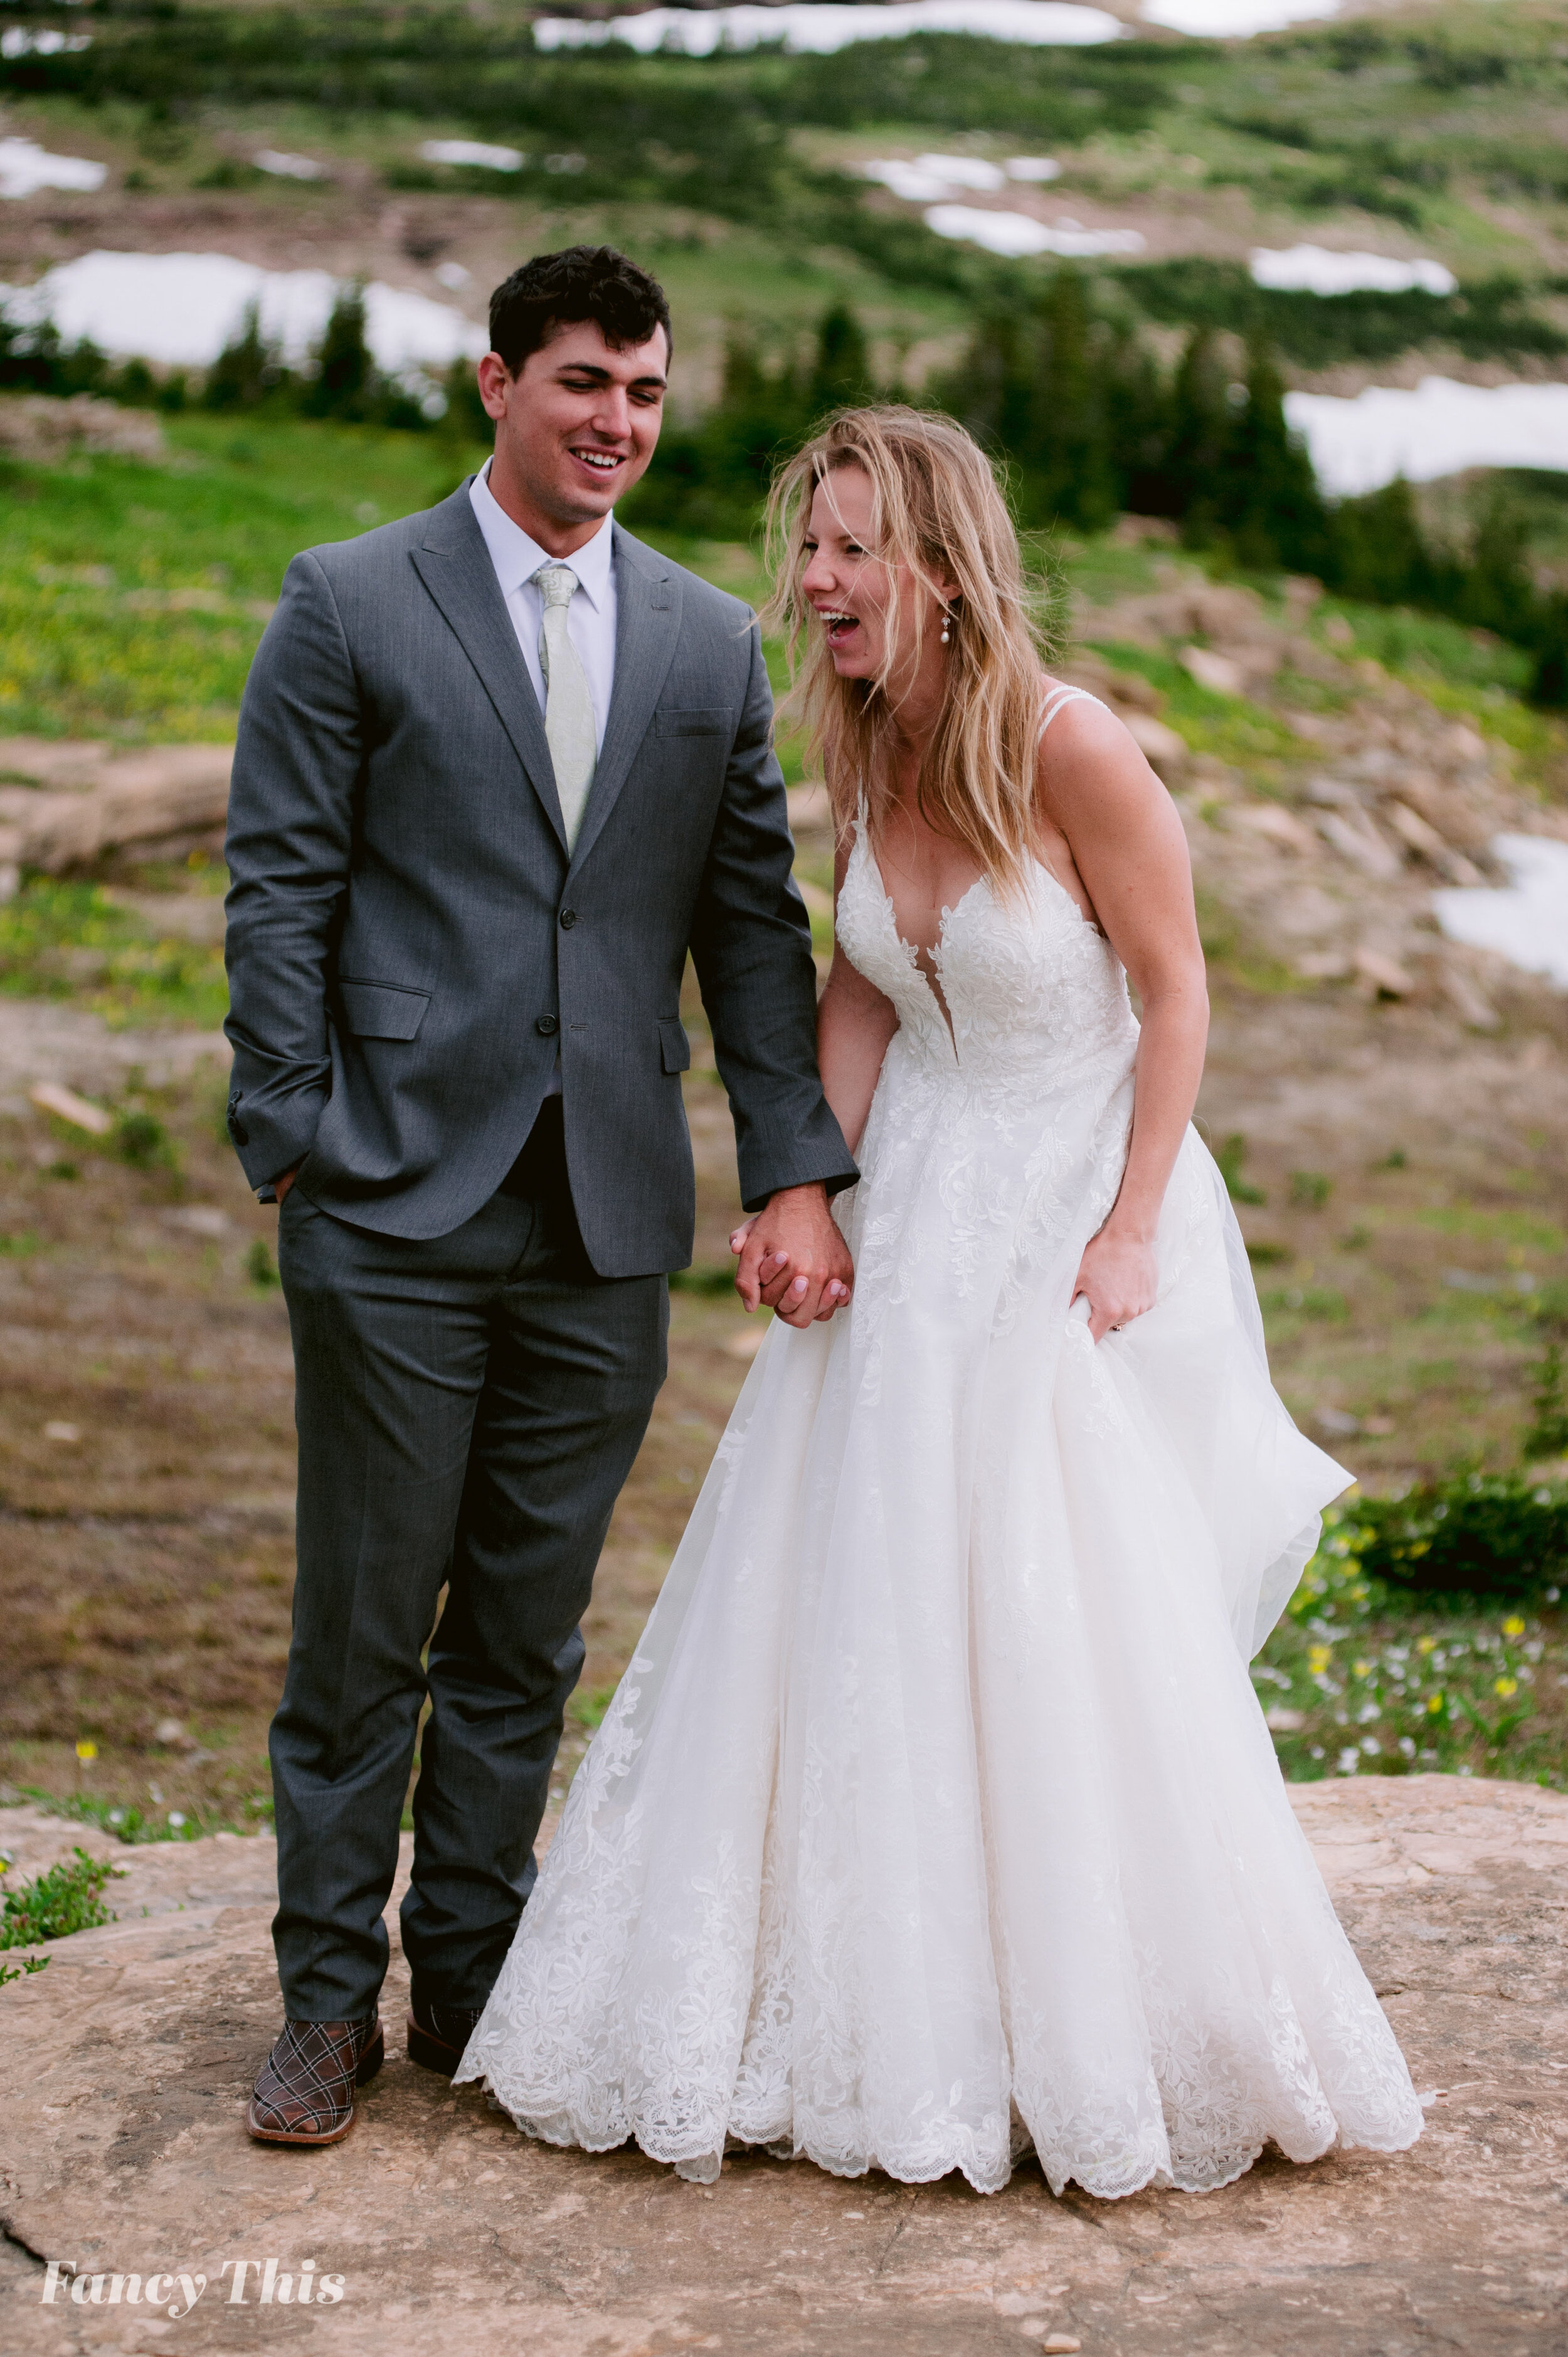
123,2068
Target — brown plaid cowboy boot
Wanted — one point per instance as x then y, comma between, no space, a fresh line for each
305,2090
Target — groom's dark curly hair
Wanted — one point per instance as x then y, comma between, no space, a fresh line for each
583,281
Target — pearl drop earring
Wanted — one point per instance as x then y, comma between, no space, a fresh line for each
947,629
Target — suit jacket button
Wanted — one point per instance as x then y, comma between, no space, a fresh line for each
568,919
546,1026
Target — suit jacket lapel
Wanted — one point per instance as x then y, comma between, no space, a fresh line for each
648,623
455,567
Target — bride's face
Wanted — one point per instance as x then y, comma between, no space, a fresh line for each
850,588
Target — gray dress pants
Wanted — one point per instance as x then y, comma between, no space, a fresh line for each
469,1408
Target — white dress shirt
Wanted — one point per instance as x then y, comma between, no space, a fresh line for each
591,616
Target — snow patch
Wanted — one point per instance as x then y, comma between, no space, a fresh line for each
1526,920
824,25
1017,234
1314,270
180,309
1359,444
938,176
25,166
1233,20
18,42
283,166
473,151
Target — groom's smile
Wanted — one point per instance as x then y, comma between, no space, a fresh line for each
575,428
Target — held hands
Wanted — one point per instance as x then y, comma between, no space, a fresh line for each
1118,1278
283,1181
793,1258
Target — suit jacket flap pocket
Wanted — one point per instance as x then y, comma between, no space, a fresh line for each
694,720
381,1010
675,1047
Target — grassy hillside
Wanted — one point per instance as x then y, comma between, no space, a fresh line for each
1441,127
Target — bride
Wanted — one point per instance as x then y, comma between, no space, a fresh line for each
936,1819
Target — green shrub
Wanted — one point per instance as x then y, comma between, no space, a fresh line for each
10,1973
1472,1536
66,1898
1548,1432
141,1139
1230,1157
124,1822
707,1276
260,1265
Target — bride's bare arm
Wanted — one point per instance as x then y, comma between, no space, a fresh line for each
1127,844
855,1023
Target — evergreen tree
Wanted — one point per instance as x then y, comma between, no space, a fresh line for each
1500,593
1549,686
842,372
247,369
466,416
989,392
1269,503
344,381
1200,426
1138,409
1380,550
1067,464
133,386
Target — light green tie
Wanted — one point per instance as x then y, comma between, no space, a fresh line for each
569,726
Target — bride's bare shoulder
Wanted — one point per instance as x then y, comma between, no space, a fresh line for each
1083,744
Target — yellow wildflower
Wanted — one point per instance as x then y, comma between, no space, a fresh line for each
1505,1686
1363,1668
87,1750
1317,1659
1433,1704
1426,1645
1513,1626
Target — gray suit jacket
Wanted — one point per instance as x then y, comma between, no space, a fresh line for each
409,942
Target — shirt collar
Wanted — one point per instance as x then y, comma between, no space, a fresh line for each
516,557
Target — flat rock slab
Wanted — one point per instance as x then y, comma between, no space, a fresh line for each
43,1040
124,2068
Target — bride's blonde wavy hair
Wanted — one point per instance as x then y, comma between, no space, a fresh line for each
937,508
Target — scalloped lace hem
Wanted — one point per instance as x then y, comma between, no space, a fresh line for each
694,2157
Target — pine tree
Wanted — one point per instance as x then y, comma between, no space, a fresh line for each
1499,594
247,369
842,372
1067,463
1549,686
989,391
1199,424
1381,552
345,380
1269,502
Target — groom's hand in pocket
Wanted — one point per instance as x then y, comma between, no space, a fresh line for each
793,1260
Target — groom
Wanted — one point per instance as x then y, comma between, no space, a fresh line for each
499,767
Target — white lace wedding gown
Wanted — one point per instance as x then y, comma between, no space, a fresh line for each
936,1816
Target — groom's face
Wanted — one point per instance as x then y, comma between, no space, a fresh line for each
575,427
